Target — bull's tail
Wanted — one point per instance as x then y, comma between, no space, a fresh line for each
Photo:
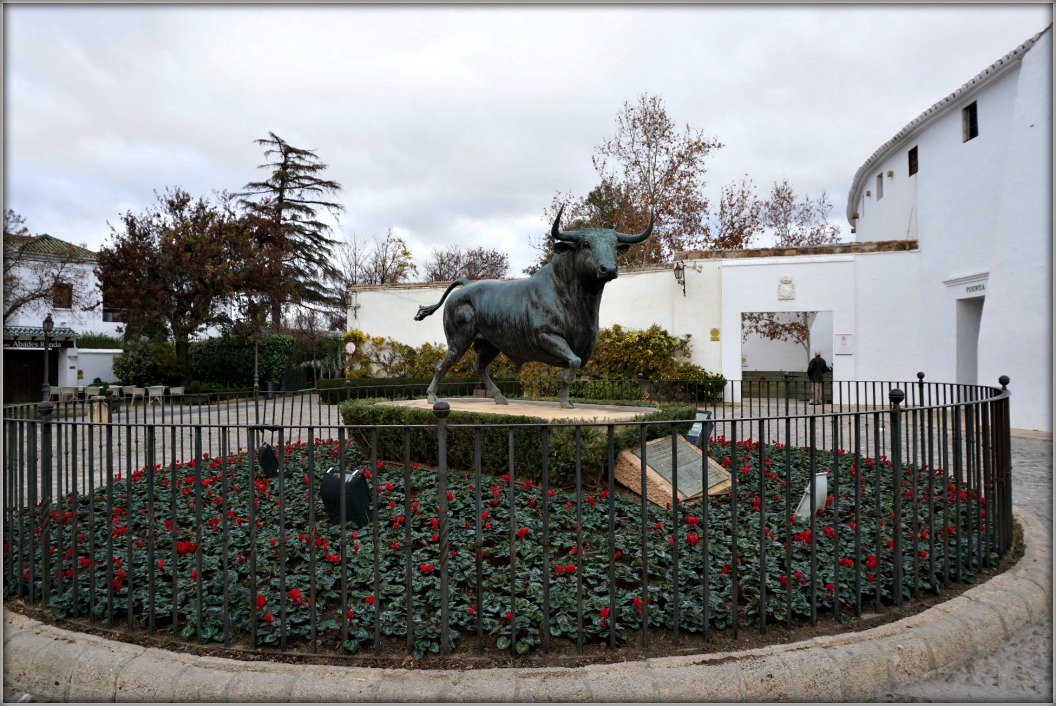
424,311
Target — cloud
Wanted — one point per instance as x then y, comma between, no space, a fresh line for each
458,124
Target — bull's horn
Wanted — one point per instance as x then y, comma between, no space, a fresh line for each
632,239
569,236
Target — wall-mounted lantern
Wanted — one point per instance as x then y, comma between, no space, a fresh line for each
680,275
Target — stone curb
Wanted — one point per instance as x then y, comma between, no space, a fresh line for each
58,665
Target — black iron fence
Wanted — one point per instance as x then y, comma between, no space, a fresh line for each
782,518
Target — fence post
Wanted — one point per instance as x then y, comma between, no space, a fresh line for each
896,397
784,373
1003,475
920,389
441,410
45,408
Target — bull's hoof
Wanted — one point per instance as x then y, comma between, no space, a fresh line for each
499,399
431,398
565,404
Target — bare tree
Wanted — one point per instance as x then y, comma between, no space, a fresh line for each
447,264
350,256
41,268
793,327
651,164
372,261
740,216
796,222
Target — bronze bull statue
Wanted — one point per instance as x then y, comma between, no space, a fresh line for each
550,317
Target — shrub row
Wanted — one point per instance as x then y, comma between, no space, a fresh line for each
420,426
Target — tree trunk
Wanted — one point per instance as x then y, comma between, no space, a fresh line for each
182,345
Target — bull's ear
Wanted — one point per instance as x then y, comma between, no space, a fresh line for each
622,248
563,246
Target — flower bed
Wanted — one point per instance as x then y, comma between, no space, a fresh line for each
177,542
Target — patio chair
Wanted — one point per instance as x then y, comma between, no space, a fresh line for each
154,393
67,393
175,392
134,393
91,391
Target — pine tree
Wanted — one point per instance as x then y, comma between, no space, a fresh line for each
284,208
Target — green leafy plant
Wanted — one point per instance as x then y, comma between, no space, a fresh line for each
90,339
257,557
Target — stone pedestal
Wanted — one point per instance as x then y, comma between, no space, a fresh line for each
98,410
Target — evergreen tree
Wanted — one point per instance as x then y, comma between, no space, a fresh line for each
284,207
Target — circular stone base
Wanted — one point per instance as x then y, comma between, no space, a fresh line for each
548,411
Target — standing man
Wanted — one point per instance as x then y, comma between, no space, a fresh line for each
816,369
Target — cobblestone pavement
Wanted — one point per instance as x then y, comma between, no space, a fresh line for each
1021,669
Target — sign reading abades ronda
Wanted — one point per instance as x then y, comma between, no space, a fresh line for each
32,344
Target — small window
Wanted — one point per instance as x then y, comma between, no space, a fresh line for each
970,122
913,161
62,295
879,186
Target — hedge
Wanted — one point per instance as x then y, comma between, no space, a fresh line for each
494,441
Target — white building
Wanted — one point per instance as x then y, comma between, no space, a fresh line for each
64,274
951,275
971,180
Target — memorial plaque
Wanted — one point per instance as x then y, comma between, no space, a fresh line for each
662,469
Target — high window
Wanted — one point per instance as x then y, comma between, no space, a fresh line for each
879,186
912,161
970,122
62,295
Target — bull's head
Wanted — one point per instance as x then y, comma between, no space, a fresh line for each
600,246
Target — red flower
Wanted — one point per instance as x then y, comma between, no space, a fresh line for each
692,538
871,562
369,600
260,602
509,615
267,617
522,533
348,614
450,496
297,598
603,613
426,568
692,520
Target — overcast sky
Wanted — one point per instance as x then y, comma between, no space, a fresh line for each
458,124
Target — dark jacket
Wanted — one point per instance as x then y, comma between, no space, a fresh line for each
816,368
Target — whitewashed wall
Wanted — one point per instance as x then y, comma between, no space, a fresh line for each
981,211
1015,336
94,363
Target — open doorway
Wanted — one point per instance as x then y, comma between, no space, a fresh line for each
969,317
777,345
